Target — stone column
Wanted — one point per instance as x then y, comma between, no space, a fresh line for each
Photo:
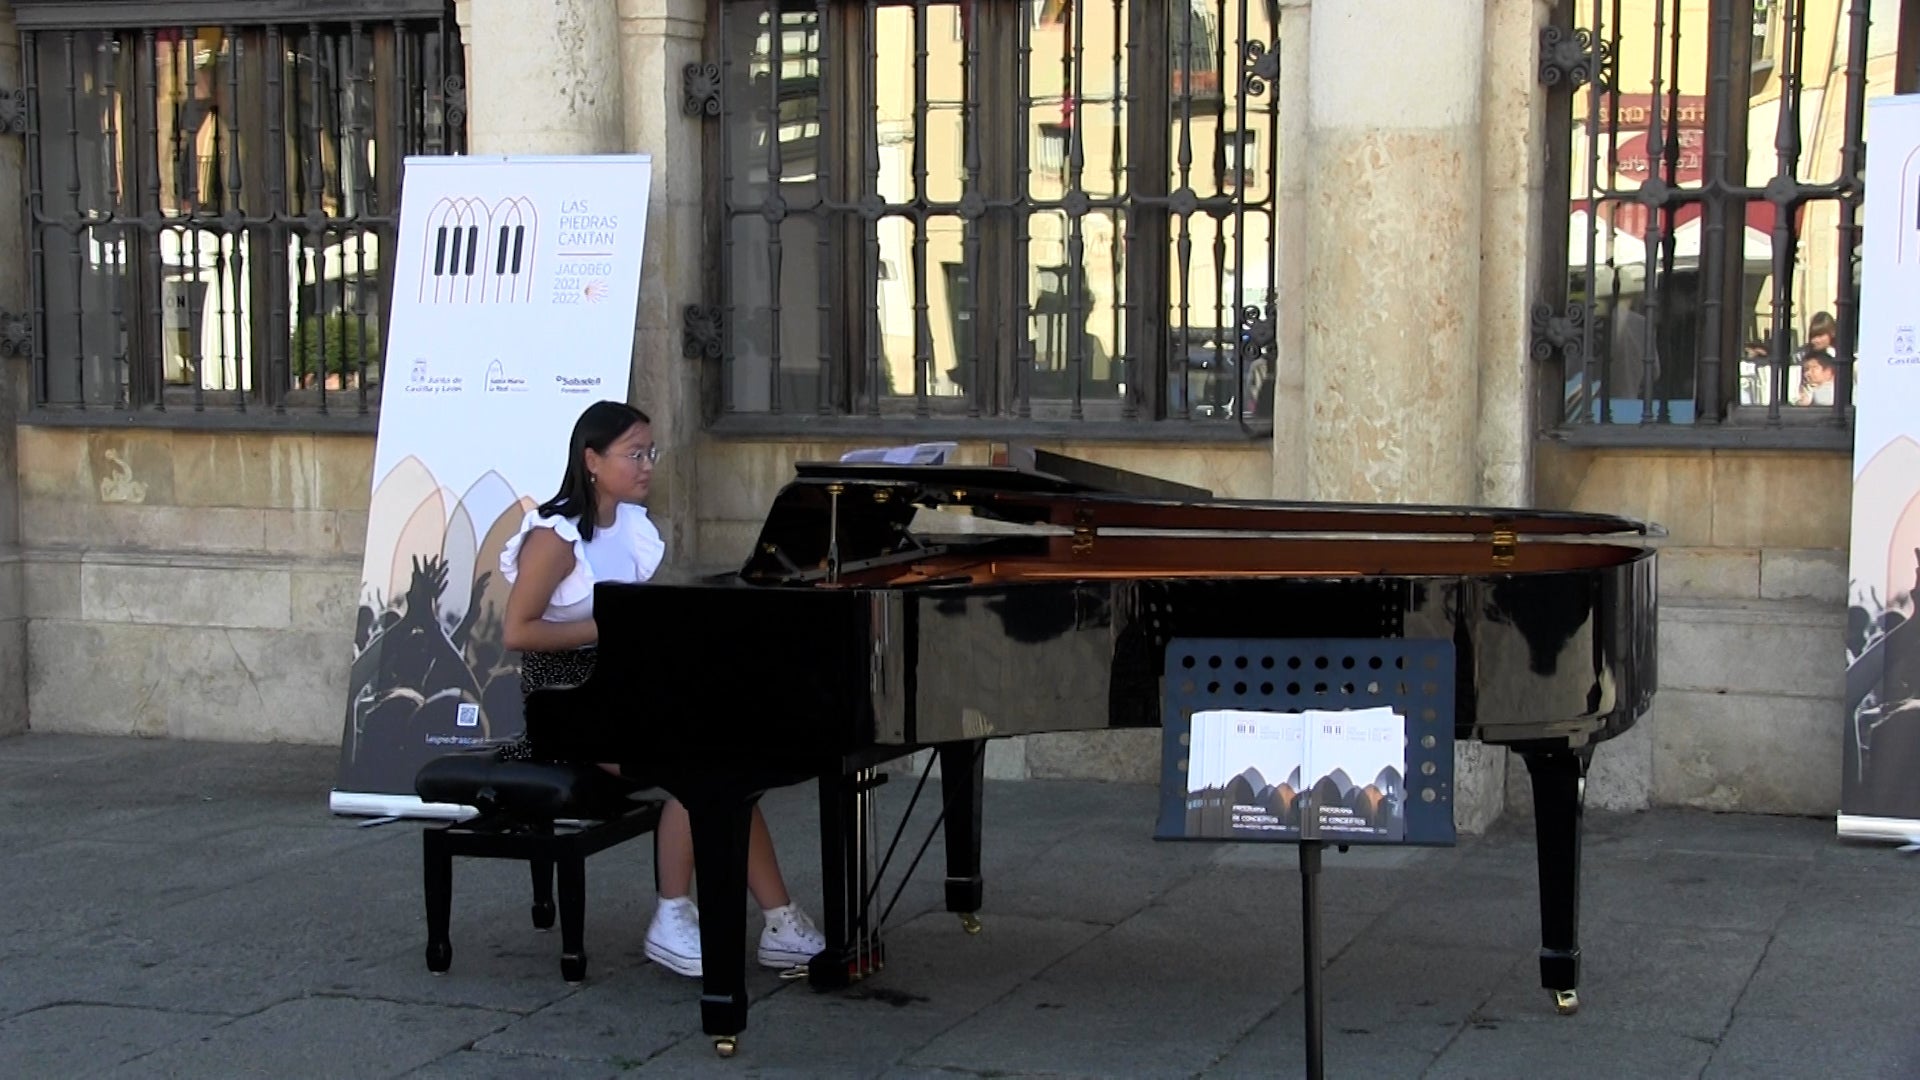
1392,342
1289,387
658,39
13,383
1513,121
544,77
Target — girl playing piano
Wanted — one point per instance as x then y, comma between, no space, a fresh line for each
596,529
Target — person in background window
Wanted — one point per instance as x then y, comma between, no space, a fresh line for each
1816,359
596,529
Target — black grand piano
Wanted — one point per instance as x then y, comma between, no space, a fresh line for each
878,611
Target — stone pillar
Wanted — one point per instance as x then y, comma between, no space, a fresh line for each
543,76
1392,341
658,39
1289,387
13,383
1513,122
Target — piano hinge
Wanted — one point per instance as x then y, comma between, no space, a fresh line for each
1505,545
1082,532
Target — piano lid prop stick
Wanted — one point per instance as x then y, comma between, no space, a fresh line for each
833,532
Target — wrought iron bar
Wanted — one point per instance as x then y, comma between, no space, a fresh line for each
1116,255
871,207
148,142
36,210
1023,219
79,224
1720,104
356,208
972,203
234,207
1181,203
773,208
823,153
1122,288
727,221
1670,162
1786,146
1847,336
114,253
314,203
1244,59
277,201
1653,196
1075,204
922,329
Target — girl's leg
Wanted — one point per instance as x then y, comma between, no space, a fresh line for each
763,867
674,835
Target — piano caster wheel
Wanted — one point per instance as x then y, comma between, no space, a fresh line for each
725,1046
439,956
970,923
543,916
1566,1002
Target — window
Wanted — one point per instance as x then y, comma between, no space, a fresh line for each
1023,224
210,199
1702,274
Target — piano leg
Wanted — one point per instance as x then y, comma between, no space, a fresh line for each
720,827
853,946
962,781
1559,778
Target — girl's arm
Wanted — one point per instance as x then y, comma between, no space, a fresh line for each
545,561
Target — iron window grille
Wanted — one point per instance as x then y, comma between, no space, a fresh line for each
211,194
1014,214
1711,159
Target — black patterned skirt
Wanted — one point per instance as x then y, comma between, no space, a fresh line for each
544,671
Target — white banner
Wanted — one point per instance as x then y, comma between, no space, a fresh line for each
515,285
1880,780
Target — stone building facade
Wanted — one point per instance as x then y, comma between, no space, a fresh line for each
192,574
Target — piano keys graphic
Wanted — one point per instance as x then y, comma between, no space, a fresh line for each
479,254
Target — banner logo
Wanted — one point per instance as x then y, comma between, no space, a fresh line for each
479,253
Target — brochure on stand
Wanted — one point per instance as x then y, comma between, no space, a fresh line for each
1316,774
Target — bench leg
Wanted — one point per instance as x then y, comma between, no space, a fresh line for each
542,892
573,917
439,894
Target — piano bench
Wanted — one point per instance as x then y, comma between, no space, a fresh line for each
552,815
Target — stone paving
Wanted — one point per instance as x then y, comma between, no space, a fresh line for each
191,909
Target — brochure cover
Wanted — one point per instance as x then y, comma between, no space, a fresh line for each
1317,774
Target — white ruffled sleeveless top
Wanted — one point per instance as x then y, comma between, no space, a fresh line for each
629,550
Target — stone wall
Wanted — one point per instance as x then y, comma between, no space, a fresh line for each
191,584
1752,616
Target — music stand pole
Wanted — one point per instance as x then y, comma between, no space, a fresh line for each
1310,952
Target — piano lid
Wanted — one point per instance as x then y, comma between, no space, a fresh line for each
840,515
1036,487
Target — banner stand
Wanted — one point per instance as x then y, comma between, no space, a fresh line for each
1880,764
515,283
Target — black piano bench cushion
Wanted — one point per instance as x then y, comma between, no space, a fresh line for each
537,790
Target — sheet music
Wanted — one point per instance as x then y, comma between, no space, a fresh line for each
927,453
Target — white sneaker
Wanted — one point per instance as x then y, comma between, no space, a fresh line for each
789,938
673,941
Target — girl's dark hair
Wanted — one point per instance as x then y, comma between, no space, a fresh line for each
597,428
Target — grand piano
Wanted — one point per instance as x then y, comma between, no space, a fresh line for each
887,609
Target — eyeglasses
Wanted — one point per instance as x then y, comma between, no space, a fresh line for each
649,454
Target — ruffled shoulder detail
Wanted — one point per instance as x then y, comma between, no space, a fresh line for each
648,546
578,584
